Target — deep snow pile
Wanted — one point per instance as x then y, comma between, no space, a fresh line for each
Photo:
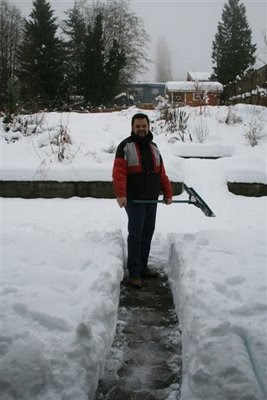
219,286
62,264
59,300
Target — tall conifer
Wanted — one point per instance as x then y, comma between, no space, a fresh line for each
115,64
41,58
75,30
232,50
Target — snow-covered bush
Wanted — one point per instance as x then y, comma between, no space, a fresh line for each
177,123
233,117
163,106
158,127
200,131
17,126
63,142
254,131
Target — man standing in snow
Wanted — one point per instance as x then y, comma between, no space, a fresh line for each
139,174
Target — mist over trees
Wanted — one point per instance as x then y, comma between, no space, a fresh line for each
232,50
93,53
163,61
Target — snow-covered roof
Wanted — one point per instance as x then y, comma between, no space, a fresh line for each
187,86
199,76
148,83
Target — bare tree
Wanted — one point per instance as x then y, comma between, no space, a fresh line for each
163,61
201,94
10,37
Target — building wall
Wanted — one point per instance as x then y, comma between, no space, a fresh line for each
188,98
213,100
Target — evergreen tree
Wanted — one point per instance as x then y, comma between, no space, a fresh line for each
101,74
115,64
232,50
41,58
120,23
88,68
94,64
75,28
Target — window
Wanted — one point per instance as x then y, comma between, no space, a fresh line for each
197,96
155,91
178,97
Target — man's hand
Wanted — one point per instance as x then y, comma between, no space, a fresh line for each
122,201
168,201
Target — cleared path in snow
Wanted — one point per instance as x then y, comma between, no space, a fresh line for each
145,359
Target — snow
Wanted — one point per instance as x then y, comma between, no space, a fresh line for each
221,303
63,260
259,91
198,150
187,86
95,137
59,298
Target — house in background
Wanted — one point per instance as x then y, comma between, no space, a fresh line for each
196,91
146,92
143,93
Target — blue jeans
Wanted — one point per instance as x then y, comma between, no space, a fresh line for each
141,225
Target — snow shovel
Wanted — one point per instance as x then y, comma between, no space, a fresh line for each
194,199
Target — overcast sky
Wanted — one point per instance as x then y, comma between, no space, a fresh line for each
188,27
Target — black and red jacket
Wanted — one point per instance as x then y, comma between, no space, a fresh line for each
138,171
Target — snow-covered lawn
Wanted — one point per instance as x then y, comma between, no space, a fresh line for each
62,263
95,137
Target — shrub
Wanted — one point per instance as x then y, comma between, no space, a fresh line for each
254,131
201,131
177,122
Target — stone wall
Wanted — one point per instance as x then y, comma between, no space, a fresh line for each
52,189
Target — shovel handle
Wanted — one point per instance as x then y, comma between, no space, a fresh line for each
159,201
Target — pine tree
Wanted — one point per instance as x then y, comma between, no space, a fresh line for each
41,58
115,64
232,50
94,64
75,28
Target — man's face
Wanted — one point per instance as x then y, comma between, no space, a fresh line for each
140,127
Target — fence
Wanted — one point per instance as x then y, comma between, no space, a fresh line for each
251,89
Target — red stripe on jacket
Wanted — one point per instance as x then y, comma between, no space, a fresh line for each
165,183
119,175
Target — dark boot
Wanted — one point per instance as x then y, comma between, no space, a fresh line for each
150,273
135,282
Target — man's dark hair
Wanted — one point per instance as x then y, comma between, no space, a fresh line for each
140,116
